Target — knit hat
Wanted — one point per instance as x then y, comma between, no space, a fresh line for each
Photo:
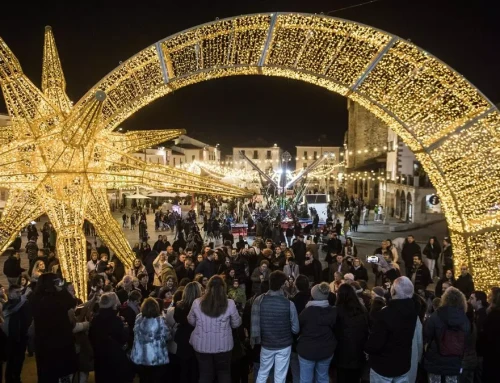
349,277
108,300
379,291
320,292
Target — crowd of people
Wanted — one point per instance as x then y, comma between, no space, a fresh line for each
271,309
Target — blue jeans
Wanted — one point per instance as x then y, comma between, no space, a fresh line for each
314,371
376,378
280,359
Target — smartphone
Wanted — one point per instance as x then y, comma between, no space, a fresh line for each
372,259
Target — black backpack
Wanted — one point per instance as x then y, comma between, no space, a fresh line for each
452,341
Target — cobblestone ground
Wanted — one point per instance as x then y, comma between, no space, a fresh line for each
367,239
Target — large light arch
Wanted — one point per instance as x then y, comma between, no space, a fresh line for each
450,125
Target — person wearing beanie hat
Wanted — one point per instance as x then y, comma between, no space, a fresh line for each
317,342
108,336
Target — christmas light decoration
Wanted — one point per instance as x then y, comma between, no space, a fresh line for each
59,160
451,127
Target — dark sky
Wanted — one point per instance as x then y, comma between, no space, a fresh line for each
93,36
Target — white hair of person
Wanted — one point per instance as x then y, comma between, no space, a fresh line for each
402,288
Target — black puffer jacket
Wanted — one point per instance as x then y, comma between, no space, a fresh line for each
444,317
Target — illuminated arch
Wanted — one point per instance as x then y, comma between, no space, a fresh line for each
449,124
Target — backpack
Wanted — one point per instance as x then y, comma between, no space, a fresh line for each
452,342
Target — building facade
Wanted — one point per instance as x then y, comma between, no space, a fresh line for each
195,150
266,158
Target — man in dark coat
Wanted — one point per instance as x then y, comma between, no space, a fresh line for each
12,268
207,267
420,275
390,343
158,246
299,250
464,282
410,248
334,245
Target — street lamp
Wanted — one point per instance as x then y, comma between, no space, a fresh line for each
286,157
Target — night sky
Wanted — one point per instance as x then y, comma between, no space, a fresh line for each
93,36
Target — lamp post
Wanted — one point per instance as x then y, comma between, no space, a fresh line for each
285,159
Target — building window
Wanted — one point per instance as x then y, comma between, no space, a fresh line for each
305,154
242,151
304,165
315,155
390,146
268,156
2,195
255,154
193,157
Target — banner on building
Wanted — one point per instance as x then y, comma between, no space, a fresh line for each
432,204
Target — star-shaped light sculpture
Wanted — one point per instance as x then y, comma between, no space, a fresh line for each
60,161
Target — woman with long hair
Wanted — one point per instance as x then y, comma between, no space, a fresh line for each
214,316
448,279
38,269
350,249
24,282
431,252
149,351
443,358
137,268
185,352
351,332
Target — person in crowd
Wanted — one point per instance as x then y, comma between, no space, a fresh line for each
470,361
378,302
274,320
312,246
24,283
410,248
237,293
167,272
479,303
338,266
207,266
431,252
55,350
187,358
149,351
299,250
464,282
311,268
17,318
290,290
359,270
124,288
12,267
445,334
337,281
291,268
259,275
333,246
158,263
445,260
392,249
144,287
447,279
420,274
213,316
94,260
317,341
349,250
108,335
129,311
351,333
389,345
137,268
39,268
488,345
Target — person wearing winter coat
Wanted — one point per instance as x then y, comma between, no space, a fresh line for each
108,336
444,357
259,275
317,341
420,274
359,270
311,268
410,248
464,282
389,346
149,351
207,266
94,261
158,266
488,345
137,268
237,294
12,268
448,278
213,317
431,252
351,333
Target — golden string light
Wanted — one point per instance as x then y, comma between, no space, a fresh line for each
59,160
450,126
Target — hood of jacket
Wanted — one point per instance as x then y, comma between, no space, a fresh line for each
451,316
